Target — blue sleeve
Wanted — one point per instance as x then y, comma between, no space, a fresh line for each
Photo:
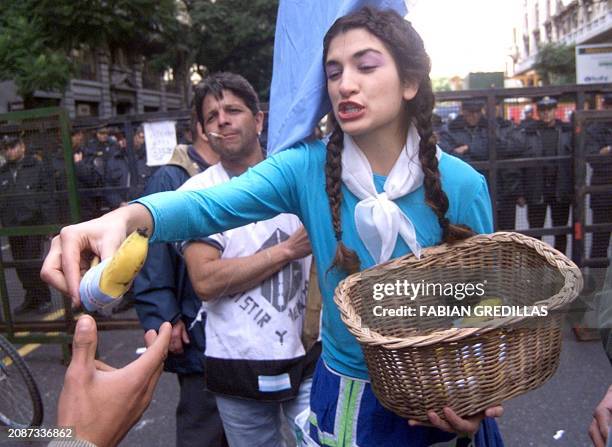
264,191
478,214
156,288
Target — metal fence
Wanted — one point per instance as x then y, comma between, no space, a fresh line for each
570,228
35,148
52,186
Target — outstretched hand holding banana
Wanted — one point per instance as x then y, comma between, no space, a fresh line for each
72,250
106,282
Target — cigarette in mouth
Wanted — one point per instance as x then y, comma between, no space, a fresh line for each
216,135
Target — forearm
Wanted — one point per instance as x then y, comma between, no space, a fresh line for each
137,216
224,277
134,216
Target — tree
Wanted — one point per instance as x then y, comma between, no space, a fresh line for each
441,84
37,36
556,64
234,35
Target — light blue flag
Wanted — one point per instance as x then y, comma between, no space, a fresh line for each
298,97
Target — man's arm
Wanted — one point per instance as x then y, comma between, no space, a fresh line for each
102,403
212,276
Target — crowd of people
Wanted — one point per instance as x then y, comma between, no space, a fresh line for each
107,172
546,184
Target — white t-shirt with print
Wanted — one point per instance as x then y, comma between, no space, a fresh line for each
264,323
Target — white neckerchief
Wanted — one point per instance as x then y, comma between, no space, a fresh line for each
377,218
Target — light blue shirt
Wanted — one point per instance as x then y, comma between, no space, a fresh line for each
293,181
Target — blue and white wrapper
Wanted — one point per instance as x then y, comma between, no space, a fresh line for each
91,296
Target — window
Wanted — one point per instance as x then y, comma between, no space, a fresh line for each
151,78
86,108
85,62
536,38
119,58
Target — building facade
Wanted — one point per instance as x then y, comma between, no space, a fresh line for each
106,84
562,21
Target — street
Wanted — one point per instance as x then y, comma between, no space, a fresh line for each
557,414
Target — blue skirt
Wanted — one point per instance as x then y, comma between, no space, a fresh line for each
345,413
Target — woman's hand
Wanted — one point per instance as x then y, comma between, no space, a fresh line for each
73,249
455,424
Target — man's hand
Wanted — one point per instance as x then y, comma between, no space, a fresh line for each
178,337
606,150
298,245
461,149
102,402
602,421
455,424
78,157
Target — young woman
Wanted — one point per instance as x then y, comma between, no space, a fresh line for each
379,189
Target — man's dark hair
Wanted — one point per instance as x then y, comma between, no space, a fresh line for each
216,83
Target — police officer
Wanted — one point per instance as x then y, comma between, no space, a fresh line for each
21,177
100,149
549,183
142,171
599,142
120,174
528,118
510,181
86,174
466,136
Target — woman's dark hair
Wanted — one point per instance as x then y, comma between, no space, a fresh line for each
413,64
216,83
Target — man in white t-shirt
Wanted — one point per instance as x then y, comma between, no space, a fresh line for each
253,281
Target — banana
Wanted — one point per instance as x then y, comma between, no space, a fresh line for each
125,264
105,282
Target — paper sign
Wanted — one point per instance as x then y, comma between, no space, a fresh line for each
160,141
593,64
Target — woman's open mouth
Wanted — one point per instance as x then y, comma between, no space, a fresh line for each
349,110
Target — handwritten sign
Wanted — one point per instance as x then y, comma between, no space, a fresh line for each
160,140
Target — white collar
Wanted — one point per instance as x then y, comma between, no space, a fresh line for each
378,219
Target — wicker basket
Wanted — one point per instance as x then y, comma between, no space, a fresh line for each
422,364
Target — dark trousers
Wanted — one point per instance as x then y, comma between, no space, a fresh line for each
601,205
560,213
30,248
197,419
506,214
